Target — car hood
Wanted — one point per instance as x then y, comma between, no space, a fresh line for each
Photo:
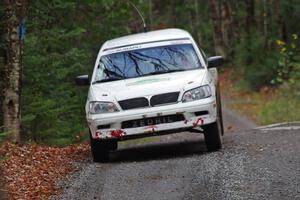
147,85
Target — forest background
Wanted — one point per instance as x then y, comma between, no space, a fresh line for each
258,38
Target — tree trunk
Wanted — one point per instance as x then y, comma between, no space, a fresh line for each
194,20
2,56
250,14
281,30
249,26
150,14
218,36
266,17
173,17
14,13
228,35
235,21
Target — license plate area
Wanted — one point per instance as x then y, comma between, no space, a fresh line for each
152,121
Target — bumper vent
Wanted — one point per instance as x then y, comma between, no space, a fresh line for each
106,126
199,113
164,98
134,103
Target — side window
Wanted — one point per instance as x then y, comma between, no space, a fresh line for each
100,71
204,56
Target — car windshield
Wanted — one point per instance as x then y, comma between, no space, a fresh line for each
150,61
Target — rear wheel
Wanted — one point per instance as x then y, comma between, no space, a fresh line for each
100,149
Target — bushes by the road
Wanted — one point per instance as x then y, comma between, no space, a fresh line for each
277,64
266,106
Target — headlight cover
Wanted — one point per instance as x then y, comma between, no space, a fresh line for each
196,94
98,107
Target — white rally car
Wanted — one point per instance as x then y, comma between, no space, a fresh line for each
152,83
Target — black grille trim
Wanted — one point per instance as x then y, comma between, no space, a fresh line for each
165,98
134,103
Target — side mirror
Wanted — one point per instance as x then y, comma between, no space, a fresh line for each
215,61
82,80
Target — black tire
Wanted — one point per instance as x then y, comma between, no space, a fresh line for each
219,107
213,137
213,132
100,150
113,145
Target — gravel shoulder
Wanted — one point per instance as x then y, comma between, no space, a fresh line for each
254,164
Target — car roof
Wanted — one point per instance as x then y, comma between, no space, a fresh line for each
146,37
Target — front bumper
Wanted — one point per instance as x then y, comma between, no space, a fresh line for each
188,110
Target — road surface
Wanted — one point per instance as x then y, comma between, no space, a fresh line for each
261,163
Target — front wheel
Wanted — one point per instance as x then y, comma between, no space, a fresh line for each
213,135
100,149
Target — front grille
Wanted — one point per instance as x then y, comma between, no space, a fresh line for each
155,100
152,121
134,103
164,98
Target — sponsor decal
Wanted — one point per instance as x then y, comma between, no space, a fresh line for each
98,135
117,133
147,81
198,122
130,48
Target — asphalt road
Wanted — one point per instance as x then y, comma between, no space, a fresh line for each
254,164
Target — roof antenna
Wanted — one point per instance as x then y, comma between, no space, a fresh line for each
143,20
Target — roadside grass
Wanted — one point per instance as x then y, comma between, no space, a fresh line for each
3,135
266,106
281,109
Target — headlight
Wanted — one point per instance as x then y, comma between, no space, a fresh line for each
197,93
97,107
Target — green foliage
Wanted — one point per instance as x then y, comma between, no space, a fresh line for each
64,37
62,42
52,106
258,62
3,136
288,67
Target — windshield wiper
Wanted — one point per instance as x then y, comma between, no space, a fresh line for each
108,80
164,72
